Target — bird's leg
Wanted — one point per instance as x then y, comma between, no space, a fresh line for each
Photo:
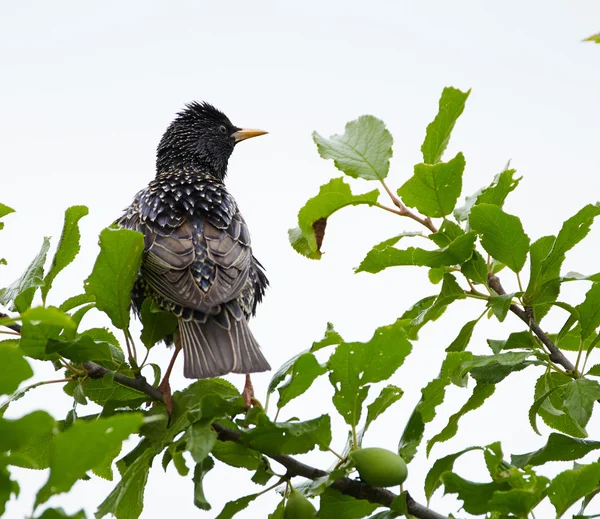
248,393
164,386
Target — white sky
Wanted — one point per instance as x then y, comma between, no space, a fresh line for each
87,90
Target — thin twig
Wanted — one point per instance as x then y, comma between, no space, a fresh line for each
405,211
554,352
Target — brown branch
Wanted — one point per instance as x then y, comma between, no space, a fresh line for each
15,327
350,487
405,211
138,383
347,486
554,352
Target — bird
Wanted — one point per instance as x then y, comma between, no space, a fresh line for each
198,261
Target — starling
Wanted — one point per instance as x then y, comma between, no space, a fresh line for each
198,261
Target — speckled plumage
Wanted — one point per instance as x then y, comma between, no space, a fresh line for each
198,260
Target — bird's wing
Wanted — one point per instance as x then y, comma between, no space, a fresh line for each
199,265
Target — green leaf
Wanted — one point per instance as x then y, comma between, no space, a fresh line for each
20,293
335,505
16,434
278,512
385,255
330,338
312,218
34,450
115,272
59,513
82,349
558,448
495,194
502,235
233,507
595,38
68,245
538,252
4,210
8,488
451,106
388,396
75,301
303,373
589,311
34,338
201,439
480,394
84,446
434,188
157,323
476,269
433,481
236,455
355,365
200,472
447,233
451,291
48,315
106,392
491,369
475,496
15,369
275,438
500,305
571,485
432,395
363,151
464,337
126,501
551,408
571,233
579,397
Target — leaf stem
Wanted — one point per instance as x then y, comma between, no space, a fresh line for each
405,211
339,456
519,282
390,209
477,295
579,355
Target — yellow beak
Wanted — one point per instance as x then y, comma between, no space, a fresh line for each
246,133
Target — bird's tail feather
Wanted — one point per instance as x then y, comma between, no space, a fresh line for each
220,345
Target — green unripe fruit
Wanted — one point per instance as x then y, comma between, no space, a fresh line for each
298,507
379,467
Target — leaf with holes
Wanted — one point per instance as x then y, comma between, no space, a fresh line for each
355,365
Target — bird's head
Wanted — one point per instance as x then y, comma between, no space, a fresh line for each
201,138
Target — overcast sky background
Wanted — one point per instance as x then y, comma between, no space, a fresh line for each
88,88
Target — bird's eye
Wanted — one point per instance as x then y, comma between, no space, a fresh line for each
223,130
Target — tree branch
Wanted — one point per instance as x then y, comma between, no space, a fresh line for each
554,352
350,487
15,327
138,383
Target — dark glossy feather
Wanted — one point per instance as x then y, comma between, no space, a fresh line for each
198,260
